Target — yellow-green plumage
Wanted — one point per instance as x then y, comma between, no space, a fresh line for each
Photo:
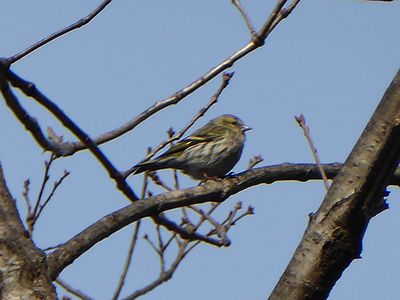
211,151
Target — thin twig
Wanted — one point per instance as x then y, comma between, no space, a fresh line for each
72,290
186,234
242,11
157,180
128,261
161,248
59,33
153,246
164,276
132,245
284,13
275,17
172,237
55,186
46,176
254,161
206,216
248,212
301,121
25,195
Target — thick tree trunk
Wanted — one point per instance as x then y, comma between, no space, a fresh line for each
23,269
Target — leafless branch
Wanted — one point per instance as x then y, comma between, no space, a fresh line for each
157,180
33,215
30,90
46,176
132,245
186,233
255,161
242,11
72,290
164,276
59,33
30,123
55,186
301,121
25,195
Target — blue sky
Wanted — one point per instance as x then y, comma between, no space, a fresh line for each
330,60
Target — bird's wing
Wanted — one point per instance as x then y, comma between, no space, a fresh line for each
202,135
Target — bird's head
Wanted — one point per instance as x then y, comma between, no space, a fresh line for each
231,121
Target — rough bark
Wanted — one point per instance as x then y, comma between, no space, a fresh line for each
334,235
23,269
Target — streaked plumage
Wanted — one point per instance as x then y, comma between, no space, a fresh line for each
211,151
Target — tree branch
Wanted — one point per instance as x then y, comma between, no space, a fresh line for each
59,33
211,191
30,90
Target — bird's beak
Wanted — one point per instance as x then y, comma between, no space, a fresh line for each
246,128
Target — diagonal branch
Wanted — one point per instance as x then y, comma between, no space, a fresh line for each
30,90
244,15
187,234
59,33
30,123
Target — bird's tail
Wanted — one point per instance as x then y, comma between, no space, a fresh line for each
146,166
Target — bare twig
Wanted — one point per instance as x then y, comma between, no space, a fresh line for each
205,216
128,260
72,290
185,233
59,33
254,161
132,245
232,214
164,276
242,11
301,121
161,248
278,14
25,195
46,176
55,186
153,246
248,212
157,180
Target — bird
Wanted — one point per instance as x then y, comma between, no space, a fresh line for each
209,152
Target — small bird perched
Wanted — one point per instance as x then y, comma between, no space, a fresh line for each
211,151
